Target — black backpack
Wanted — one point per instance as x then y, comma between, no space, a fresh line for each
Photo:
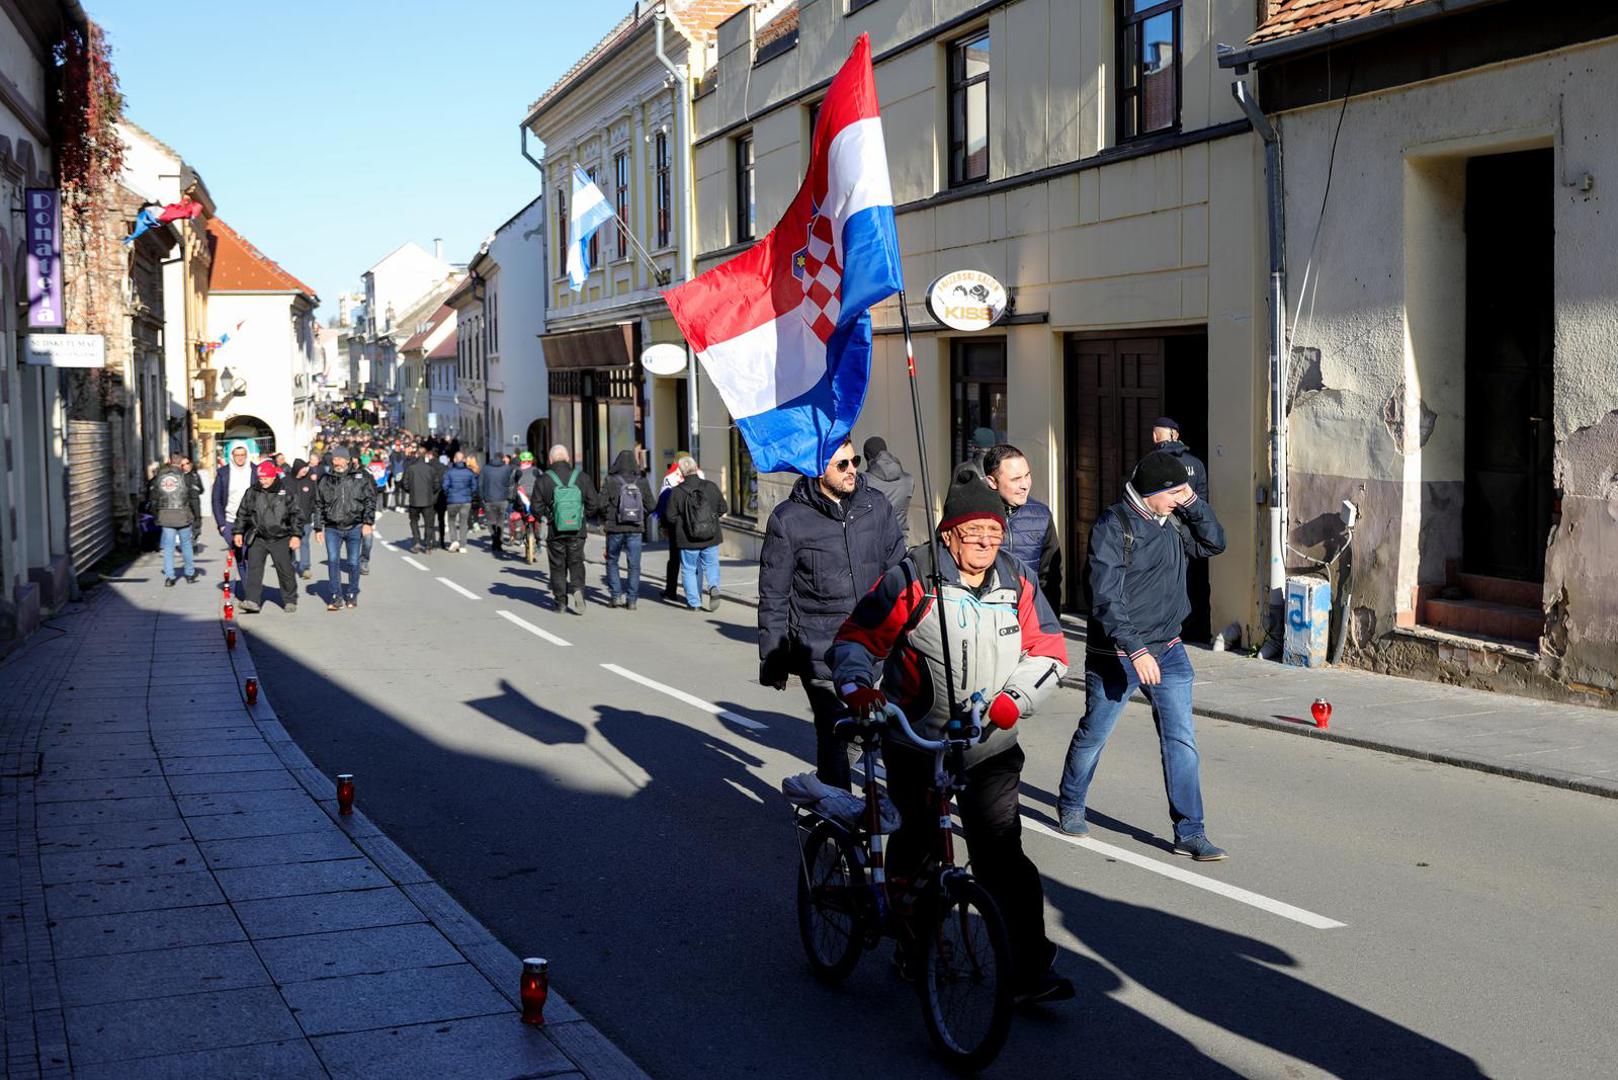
699,516
631,504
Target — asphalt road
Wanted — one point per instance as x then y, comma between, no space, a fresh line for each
639,841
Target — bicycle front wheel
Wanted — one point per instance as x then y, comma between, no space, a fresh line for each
829,880
965,977
529,547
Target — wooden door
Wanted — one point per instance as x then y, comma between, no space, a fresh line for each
1114,392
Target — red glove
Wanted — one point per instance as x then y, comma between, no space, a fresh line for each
864,699
1003,712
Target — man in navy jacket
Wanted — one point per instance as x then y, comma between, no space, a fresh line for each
824,548
1139,551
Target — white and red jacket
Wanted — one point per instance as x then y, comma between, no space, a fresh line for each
1003,638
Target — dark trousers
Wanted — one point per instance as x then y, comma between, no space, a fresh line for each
278,552
831,753
671,576
421,520
566,554
990,816
441,508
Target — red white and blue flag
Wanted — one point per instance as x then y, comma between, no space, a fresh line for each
784,329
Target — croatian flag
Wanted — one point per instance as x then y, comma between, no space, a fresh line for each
784,329
590,212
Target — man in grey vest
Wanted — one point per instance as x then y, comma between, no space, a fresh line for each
1030,526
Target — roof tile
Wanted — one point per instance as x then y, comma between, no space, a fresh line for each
238,266
1288,17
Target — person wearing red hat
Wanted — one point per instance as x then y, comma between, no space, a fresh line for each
269,525
1005,643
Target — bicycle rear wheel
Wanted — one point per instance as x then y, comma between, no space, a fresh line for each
829,920
529,547
965,976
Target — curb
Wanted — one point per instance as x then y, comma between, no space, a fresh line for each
572,1034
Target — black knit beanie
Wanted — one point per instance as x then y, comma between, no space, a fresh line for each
1158,471
875,445
970,501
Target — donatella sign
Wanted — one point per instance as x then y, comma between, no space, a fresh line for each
967,300
44,269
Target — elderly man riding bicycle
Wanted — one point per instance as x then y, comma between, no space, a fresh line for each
1005,644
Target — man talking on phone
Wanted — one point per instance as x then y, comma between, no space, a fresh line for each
1139,550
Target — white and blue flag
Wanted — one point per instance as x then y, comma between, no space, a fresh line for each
590,212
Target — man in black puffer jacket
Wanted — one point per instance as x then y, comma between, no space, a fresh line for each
302,484
824,548
268,526
345,510
626,505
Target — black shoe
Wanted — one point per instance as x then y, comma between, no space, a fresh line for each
365,566
193,577
1201,849
1047,988
711,603
630,604
335,605
352,601
168,582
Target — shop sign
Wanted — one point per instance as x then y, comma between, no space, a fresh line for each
65,350
43,216
663,359
967,300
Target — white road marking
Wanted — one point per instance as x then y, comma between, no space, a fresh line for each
414,563
1169,870
532,629
468,593
695,702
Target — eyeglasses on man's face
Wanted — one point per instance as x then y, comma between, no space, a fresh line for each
846,464
984,537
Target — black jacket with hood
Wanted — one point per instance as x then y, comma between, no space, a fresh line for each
1193,465
819,558
268,513
343,500
625,470
303,490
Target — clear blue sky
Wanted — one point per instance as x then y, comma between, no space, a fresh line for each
331,132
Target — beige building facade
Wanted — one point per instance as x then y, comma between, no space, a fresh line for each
1453,289
1098,166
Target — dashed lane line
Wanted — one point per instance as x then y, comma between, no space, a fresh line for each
412,562
468,593
532,629
695,702
1186,877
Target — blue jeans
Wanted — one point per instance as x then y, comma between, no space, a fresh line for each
618,542
335,564
699,567
1108,683
170,535
304,557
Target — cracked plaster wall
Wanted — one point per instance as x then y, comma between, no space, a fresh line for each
1378,305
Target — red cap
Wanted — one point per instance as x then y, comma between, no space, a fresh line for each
267,468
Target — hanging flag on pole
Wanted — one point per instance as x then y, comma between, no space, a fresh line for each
784,329
590,212
143,221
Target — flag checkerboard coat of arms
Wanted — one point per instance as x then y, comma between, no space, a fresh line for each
784,329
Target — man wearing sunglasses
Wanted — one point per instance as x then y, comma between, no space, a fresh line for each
824,548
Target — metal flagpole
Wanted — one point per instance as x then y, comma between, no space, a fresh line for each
660,275
927,500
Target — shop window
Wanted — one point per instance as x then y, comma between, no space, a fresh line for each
977,391
743,479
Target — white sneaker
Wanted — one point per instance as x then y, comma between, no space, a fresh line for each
455,547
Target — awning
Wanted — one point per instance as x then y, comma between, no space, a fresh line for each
605,347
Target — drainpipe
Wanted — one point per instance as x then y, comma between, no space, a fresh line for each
682,145
544,255
1278,359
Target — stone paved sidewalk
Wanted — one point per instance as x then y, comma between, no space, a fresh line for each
178,896
1568,746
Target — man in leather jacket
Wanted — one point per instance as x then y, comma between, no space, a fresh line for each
269,525
345,510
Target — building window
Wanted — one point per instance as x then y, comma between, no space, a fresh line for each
814,120
746,218
561,232
743,478
977,369
969,110
1148,67
665,194
620,197
595,237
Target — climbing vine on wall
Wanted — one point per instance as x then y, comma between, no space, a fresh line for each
87,107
